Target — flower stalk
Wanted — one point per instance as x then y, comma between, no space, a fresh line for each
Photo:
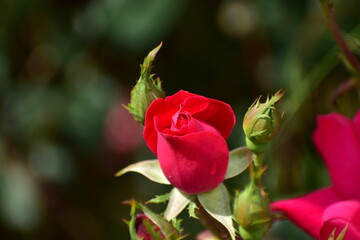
252,207
328,11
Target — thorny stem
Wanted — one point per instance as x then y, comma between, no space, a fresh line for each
328,11
256,169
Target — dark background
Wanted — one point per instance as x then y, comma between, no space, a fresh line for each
67,66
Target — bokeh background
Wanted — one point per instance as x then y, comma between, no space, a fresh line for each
67,66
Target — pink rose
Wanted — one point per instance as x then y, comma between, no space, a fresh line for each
188,134
338,140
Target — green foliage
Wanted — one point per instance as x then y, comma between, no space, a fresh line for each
239,160
191,208
177,202
149,168
217,203
160,199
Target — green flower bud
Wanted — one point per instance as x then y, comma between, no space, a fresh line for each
146,90
147,229
149,225
252,212
261,123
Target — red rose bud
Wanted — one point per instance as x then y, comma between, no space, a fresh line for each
261,123
252,212
147,229
146,90
188,134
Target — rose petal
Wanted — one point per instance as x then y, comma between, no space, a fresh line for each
193,126
179,97
194,162
338,215
164,120
164,109
306,212
357,123
214,112
339,144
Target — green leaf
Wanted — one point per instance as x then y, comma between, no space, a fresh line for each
177,224
160,199
177,202
217,203
192,207
239,161
149,168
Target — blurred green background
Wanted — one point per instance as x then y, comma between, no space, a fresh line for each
67,66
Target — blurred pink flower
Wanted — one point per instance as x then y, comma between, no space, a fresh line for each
122,134
338,140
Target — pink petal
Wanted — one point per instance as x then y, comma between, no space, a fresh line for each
214,112
194,162
338,142
164,112
357,123
179,97
338,215
306,212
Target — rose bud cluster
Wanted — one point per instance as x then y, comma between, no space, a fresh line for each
261,123
188,133
146,90
147,229
252,212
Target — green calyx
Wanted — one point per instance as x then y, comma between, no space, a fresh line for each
252,212
256,148
262,122
146,90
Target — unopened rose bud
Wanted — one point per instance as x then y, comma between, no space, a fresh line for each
252,212
147,229
261,123
146,90
149,225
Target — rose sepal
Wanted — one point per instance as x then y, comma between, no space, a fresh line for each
239,160
341,235
177,202
149,168
217,203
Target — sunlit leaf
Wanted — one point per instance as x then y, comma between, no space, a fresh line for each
149,168
160,198
217,203
177,202
239,161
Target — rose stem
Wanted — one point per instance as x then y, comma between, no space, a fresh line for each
328,11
